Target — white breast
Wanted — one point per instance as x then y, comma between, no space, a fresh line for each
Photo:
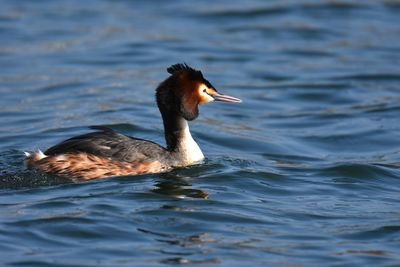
190,149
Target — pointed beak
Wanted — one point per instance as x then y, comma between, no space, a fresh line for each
225,98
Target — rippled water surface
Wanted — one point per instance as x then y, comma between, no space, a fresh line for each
305,172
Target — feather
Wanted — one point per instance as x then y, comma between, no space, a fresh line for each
181,67
109,144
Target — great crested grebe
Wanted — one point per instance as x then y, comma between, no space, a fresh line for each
106,153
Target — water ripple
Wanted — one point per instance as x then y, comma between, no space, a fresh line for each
304,172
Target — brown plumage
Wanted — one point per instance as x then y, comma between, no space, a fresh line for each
88,166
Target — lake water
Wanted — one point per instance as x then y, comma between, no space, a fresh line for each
304,172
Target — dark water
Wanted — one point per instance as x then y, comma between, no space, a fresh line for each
305,172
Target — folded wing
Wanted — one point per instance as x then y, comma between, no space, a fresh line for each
109,144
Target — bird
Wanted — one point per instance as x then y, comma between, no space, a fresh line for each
107,153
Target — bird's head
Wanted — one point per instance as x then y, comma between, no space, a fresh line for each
185,90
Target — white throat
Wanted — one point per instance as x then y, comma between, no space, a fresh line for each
190,150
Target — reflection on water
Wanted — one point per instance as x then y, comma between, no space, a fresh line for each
180,247
178,188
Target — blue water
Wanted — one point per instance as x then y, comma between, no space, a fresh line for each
304,172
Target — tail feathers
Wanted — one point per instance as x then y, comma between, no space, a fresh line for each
31,158
40,154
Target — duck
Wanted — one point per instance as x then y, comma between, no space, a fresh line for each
106,153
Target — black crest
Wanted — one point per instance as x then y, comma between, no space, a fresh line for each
183,67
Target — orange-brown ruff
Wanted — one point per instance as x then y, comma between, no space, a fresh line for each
106,153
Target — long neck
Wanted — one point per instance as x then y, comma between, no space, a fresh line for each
180,144
178,138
